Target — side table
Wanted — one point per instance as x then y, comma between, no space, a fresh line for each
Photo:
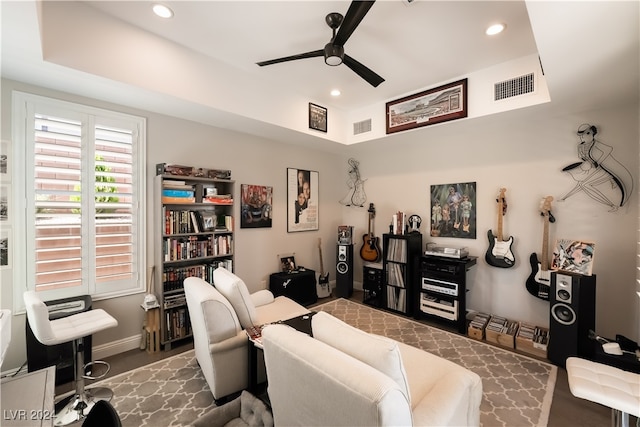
300,286
300,323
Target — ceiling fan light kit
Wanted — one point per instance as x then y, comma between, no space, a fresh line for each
333,54
333,51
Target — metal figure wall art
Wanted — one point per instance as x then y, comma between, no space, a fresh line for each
598,174
356,195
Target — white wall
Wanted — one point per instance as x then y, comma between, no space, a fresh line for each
252,161
523,151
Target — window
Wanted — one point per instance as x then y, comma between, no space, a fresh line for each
84,198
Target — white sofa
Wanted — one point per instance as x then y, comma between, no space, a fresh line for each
346,377
219,316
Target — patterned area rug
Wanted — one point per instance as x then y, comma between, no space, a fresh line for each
517,390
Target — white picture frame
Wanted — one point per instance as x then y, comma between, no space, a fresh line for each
5,161
303,193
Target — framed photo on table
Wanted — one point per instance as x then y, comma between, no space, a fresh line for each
303,190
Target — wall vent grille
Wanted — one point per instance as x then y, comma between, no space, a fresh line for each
514,87
362,127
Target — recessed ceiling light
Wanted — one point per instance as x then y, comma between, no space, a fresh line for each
335,92
162,11
495,29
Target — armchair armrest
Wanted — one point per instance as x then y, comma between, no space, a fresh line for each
453,400
241,339
262,297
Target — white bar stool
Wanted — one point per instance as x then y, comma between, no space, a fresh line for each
71,328
606,385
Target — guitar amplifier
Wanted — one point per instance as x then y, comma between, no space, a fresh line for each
300,286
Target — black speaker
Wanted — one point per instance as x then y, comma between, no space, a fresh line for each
344,271
572,301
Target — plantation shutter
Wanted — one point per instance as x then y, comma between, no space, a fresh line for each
84,191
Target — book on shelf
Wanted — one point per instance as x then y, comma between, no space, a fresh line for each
178,200
182,221
228,221
177,193
177,185
220,199
194,221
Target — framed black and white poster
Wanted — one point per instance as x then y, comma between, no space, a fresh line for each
5,161
453,210
5,248
5,200
303,190
256,206
317,117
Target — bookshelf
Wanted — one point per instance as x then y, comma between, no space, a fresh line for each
399,270
195,235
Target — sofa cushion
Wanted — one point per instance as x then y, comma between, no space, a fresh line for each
236,292
376,351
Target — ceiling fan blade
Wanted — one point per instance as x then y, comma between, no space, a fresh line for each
372,78
313,54
352,19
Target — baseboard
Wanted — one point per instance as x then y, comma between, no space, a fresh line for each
116,347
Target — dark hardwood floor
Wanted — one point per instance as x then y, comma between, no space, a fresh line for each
566,410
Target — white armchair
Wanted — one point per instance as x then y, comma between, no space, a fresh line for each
219,316
220,343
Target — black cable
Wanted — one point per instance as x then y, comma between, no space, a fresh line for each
16,372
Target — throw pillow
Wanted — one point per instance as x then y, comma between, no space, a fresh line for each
376,351
235,291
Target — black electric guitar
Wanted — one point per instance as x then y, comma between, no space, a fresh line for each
539,282
323,281
370,250
499,253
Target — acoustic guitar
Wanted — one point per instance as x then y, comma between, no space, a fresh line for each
499,253
323,288
539,281
370,250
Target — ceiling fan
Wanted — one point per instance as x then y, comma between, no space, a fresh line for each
333,51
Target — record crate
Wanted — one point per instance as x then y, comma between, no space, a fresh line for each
477,326
532,339
501,331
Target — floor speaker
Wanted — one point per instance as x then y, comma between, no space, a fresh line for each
572,302
344,271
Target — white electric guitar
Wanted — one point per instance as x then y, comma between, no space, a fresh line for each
539,281
499,253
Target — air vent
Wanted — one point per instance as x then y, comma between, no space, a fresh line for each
514,87
362,127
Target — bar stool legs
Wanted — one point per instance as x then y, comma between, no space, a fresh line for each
83,400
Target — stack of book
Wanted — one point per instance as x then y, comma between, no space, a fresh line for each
178,192
219,199
398,222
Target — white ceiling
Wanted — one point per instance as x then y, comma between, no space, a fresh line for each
410,46
584,47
